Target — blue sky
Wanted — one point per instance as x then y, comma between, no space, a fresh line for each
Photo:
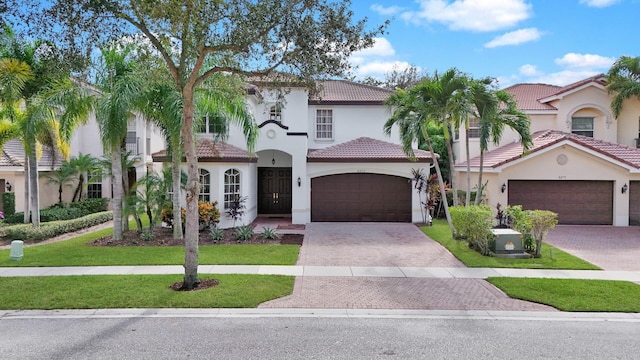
540,41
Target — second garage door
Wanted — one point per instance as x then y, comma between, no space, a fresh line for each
361,197
576,202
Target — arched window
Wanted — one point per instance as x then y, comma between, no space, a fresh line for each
275,112
231,187
205,185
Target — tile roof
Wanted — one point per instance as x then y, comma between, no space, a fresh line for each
527,95
531,96
348,92
209,151
364,149
546,138
13,155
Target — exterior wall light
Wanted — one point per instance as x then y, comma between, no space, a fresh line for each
503,188
624,188
299,181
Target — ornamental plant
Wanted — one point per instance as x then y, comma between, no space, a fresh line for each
474,223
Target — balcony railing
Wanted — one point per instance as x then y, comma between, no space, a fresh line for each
133,144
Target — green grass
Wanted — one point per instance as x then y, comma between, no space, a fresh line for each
574,295
552,258
138,291
75,252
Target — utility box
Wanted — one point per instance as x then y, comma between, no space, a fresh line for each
507,241
16,251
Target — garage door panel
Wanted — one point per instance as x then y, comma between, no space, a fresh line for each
361,197
576,202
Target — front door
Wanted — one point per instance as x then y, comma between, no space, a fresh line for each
274,190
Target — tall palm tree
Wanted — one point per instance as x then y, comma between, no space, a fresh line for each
410,112
623,80
120,87
495,111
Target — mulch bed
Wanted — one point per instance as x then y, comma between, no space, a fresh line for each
164,237
204,284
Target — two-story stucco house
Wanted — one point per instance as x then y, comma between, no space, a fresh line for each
317,158
584,164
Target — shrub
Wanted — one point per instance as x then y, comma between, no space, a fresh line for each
216,234
542,221
91,206
9,203
474,224
48,215
269,234
49,230
243,233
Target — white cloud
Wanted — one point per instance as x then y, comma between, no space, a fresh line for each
379,68
387,11
529,70
377,60
515,38
590,61
471,15
381,48
598,3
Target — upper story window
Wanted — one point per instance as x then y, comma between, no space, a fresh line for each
275,112
474,128
582,126
205,185
215,125
324,124
231,187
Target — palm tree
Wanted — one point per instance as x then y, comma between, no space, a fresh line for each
62,177
80,165
495,110
43,105
623,80
410,112
120,87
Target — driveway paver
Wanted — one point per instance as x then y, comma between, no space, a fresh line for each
609,247
372,244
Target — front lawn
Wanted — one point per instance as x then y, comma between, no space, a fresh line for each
552,258
574,295
75,252
138,291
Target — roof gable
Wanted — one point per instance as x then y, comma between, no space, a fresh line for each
509,153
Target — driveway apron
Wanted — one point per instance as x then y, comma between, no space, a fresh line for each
613,248
386,245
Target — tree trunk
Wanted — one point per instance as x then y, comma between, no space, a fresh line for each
443,192
78,193
27,208
176,178
467,200
124,175
479,192
452,176
34,193
192,190
60,194
116,170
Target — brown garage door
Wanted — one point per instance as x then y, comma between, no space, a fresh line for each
634,203
361,197
576,202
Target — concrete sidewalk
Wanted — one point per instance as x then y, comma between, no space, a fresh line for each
327,271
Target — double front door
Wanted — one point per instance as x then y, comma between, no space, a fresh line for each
274,190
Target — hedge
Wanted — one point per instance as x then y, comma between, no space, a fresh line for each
27,232
8,203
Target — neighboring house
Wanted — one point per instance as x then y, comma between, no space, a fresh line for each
142,139
584,164
12,179
317,158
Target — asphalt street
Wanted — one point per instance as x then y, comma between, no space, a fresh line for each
329,336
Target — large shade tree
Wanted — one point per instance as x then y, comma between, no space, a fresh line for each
623,81
305,39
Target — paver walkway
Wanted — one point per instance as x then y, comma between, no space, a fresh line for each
609,247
